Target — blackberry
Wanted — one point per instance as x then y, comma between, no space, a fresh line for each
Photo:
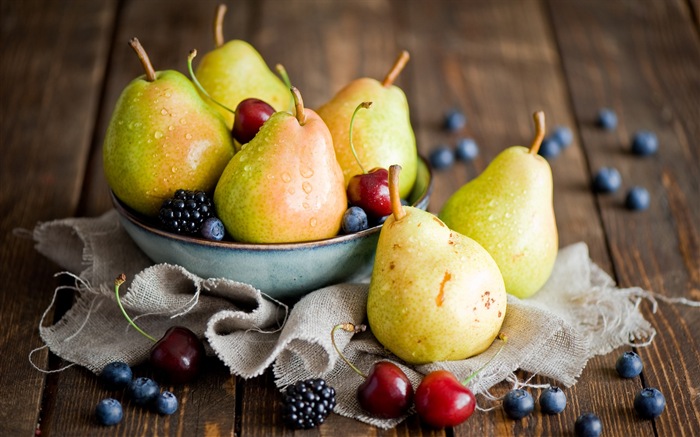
185,212
307,403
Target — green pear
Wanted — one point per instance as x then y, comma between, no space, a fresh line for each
235,71
162,137
435,294
382,138
508,209
285,185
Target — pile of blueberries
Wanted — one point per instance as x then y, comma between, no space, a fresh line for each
649,403
143,392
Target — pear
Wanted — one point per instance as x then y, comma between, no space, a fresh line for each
435,294
382,138
162,137
508,209
285,185
235,71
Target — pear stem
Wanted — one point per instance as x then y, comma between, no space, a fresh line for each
117,282
394,196
143,57
299,105
219,25
365,105
199,86
539,132
501,336
285,78
349,327
399,64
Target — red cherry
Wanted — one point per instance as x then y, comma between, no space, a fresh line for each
386,392
370,191
442,400
250,115
178,355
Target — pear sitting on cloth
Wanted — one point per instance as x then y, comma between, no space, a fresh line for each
423,315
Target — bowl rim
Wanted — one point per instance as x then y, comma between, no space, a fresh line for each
137,220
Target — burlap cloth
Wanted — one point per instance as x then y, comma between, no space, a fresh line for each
579,313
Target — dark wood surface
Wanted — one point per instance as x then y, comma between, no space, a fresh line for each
64,64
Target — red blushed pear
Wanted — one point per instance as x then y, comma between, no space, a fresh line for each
162,137
424,313
386,391
368,190
285,185
382,138
178,355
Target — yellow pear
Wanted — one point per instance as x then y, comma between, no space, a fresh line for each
285,185
162,137
235,71
509,210
434,294
382,138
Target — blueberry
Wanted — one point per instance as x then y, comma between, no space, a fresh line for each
588,425
563,136
454,120
607,119
143,390
607,180
637,199
518,403
354,220
165,403
441,158
109,412
644,143
549,148
466,149
116,375
649,403
552,400
629,365
212,229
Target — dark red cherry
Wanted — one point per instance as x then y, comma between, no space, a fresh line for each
250,115
370,191
442,400
386,392
178,355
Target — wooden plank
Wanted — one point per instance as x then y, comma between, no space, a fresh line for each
168,30
54,55
497,62
643,63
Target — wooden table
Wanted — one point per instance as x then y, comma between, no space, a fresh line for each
64,64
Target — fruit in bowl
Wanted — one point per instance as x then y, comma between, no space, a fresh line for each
281,270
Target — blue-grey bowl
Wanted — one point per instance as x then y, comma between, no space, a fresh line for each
283,271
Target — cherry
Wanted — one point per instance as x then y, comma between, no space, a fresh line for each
250,115
386,392
442,400
368,190
178,355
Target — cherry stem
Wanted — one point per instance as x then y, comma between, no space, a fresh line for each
501,336
285,78
298,105
219,25
365,105
355,329
539,132
143,57
394,196
396,69
117,282
199,86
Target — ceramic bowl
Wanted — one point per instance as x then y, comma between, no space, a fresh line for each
283,271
